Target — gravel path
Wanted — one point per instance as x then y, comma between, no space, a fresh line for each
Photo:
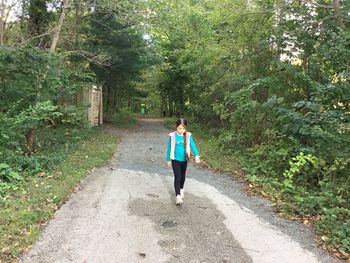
125,212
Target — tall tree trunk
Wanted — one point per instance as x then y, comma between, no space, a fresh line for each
22,20
59,26
30,140
170,108
280,9
114,99
3,19
337,10
108,99
5,10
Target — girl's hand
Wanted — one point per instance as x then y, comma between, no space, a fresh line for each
196,159
168,164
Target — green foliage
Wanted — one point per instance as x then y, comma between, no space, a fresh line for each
269,79
35,116
32,84
118,39
39,20
278,96
123,119
335,222
7,174
8,178
23,210
298,164
30,76
71,115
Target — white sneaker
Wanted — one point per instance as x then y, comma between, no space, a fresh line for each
179,200
182,193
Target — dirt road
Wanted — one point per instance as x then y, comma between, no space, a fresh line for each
125,212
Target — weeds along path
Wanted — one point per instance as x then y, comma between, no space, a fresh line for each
125,212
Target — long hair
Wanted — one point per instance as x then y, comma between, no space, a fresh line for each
183,122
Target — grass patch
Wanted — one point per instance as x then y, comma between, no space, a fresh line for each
22,213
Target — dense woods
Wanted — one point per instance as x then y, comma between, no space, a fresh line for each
268,80
51,52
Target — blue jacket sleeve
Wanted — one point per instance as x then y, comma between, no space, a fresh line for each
193,147
168,151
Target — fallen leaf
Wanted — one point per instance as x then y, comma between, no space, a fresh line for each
324,238
264,194
76,188
5,249
346,255
27,249
333,250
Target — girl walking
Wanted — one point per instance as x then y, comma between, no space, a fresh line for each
180,145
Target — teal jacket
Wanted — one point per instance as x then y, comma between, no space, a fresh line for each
180,151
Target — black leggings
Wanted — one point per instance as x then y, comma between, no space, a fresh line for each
179,169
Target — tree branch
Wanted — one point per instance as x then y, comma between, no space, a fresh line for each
99,60
59,26
39,36
4,16
319,5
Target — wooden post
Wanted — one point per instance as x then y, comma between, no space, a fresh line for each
101,107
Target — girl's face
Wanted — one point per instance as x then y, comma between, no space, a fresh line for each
180,129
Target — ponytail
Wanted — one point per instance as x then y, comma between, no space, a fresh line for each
185,144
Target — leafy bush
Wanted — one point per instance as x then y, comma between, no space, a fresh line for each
335,222
123,118
8,178
37,129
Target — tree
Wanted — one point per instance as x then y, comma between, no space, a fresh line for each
57,30
121,42
38,22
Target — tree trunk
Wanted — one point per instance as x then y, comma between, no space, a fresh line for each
4,15
2,21
107,94
115,101
338,14
169,107
30,140
57,31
